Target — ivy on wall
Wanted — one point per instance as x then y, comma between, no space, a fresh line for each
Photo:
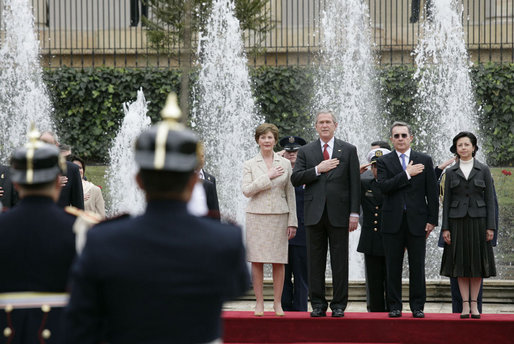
88,102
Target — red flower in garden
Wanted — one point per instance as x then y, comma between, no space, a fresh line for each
506,173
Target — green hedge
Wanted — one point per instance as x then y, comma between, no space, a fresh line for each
88,108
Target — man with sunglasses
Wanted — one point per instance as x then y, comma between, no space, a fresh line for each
409,213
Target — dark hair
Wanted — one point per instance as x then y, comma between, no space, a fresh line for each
460,135
79,159
159,182
264,128
381,144
400,124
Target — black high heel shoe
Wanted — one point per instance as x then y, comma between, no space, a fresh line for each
474,316
465,315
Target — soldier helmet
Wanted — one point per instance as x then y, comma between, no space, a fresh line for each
36,162
168,145
292,143
376,153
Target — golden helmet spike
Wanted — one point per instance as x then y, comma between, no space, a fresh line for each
33,134
171,111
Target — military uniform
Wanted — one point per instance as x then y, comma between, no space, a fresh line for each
161,277
370,241
296,286
37,248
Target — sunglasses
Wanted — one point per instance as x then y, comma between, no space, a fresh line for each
397,136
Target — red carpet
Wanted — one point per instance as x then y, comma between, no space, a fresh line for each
299,327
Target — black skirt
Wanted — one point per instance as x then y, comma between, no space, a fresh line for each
469,254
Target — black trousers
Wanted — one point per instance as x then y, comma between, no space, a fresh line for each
296,289
375,283
394,248
319,238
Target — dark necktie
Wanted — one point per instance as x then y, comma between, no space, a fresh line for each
326,156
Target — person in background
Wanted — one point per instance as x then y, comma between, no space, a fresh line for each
209,185
93,199
370,241
8,194
468,222
367,173
296,287
37,247
71,192
270,214
161,277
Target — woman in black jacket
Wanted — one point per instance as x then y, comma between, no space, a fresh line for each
468,222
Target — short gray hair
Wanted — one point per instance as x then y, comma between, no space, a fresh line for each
400,124
330,112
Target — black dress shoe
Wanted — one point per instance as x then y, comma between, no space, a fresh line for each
396,313
318,312
337,313
418,314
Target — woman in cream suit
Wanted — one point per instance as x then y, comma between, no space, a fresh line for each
270,214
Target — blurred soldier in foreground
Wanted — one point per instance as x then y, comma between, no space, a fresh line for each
37,247
161,277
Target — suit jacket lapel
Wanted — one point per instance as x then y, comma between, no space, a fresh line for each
457,170
395,162
474,170
261,163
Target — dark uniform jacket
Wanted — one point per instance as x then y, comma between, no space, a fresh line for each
37,248
10,197
370,241
418,194
300,238
72,193
158,278
473,197
338,189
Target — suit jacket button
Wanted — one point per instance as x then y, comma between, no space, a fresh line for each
377,207
376,214
375,229
375,222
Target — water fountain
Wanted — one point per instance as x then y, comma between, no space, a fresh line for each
224,113
446,103
24,97
124,194
347,84
445,99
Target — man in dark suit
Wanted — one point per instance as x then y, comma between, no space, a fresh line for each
370,241
71,193
8,194
296,288
37,248
409,214
161,277
329,169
